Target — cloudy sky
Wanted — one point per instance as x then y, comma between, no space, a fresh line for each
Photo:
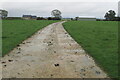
71,8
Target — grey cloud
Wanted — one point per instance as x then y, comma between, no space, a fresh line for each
68,9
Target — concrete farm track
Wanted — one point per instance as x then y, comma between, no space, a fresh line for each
50,53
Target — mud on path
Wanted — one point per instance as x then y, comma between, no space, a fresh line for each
50,53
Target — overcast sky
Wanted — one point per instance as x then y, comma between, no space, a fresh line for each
17,8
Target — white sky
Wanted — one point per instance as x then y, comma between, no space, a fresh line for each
59,0
69,8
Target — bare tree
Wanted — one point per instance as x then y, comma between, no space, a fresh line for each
3,13
110,15
56,13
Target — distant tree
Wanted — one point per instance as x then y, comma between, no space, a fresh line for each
76,18
110,15
72,19
56,18
3,13
53,18
49,18
41,18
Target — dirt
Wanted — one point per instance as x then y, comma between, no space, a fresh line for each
50,53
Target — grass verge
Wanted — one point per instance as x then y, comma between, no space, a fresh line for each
100,40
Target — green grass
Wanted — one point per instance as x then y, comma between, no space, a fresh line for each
100,40
0,37
15,31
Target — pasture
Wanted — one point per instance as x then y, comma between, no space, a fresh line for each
100,40
15,31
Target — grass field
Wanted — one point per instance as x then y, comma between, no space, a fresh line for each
15,31
100,40
0,37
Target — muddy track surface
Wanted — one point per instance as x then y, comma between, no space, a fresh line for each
50,53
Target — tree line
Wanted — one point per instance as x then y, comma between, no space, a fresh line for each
109,16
